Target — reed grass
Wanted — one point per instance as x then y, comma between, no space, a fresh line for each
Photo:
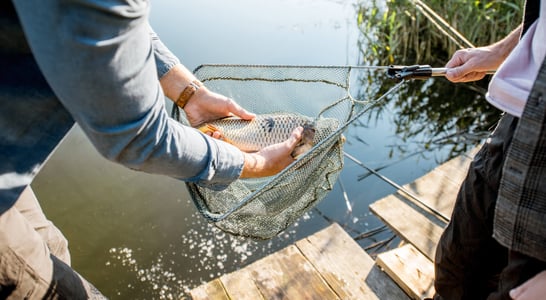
402,30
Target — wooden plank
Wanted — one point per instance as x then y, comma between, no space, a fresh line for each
437,191
287,274
240,285
408,223
346,267
210,290
439,188
413,272
410,265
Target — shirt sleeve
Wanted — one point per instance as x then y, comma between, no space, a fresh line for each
165,60
100,61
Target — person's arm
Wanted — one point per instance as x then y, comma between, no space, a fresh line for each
174,77
205,105
99,60
473,63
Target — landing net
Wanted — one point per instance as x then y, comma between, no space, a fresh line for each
261,208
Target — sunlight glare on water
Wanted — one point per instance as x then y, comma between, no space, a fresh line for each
207,249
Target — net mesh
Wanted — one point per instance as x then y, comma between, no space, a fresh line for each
261,208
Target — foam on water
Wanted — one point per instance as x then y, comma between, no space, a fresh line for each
203,253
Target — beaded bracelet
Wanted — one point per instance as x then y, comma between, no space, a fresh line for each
188,92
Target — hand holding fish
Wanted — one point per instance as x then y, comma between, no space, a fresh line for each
271,159
206,106
201,105
270,141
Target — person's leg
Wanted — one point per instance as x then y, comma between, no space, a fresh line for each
468,259
29,207
27,268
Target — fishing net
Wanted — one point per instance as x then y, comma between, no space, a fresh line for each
261,208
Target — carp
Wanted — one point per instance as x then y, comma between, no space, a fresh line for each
263,130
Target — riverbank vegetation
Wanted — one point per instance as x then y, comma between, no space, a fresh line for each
407,32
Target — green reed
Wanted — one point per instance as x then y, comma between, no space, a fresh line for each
401,29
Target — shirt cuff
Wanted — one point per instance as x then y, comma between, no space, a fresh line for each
165,60
225,166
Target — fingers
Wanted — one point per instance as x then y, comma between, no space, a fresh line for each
295,138
238,111
454,74
517,292
459,68
461,75
472,64
272,159
456,60
217,135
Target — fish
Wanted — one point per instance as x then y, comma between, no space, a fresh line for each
263,130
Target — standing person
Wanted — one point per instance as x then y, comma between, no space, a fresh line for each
496,239
97,63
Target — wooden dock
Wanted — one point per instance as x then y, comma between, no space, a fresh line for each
326,265
418,224
331,265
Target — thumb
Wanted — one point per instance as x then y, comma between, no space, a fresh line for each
295,137
240,112
514,293
456,73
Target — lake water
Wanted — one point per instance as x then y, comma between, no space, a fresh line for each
139,236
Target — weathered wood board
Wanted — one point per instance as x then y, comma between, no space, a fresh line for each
411,266
408,223
410,269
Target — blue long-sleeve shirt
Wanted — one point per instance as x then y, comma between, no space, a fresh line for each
97,63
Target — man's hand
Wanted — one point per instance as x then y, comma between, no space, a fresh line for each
272,159
532,289
205,106
472,64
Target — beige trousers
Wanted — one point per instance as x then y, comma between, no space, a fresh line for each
34,256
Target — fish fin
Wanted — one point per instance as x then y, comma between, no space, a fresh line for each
210,129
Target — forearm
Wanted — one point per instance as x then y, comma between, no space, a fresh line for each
100,67
503,47
176,80
173,76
